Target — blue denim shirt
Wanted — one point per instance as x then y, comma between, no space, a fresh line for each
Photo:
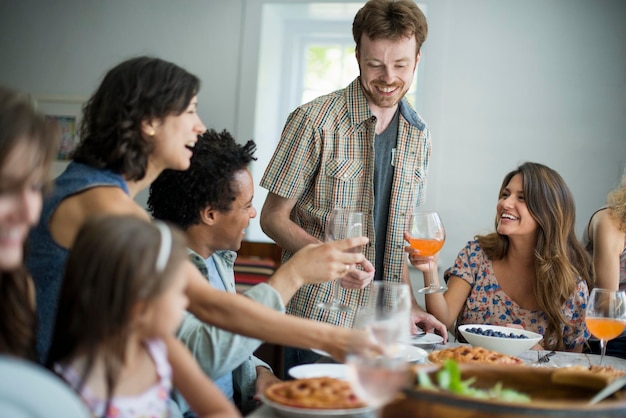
45,259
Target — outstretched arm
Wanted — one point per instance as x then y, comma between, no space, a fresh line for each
277,224
318,263
243,316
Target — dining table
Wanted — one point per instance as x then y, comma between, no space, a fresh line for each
530,357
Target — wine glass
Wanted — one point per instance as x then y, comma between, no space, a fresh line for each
379,370
427,235
605,315
343,223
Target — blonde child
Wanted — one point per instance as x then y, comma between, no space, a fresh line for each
121,301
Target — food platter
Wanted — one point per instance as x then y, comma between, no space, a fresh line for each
550,398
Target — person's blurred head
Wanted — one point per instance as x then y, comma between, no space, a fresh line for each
388,36
27,147
215,193
118,272
144,110
616,201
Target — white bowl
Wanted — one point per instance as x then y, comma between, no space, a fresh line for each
504,345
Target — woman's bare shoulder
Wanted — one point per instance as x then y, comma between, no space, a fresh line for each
76,209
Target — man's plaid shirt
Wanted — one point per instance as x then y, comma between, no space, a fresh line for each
325,158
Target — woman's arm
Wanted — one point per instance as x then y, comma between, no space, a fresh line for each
240,315
203,397
447,306
317,263
608,244
444,306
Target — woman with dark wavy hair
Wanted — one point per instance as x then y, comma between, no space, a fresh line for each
27,147
531,273
140,121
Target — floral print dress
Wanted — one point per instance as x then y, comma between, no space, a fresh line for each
488,304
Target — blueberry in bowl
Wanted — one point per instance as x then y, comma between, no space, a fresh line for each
505,340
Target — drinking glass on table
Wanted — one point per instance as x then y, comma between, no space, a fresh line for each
605,315
379,371
343,223
427,235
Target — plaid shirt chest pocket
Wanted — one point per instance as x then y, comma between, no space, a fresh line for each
343,180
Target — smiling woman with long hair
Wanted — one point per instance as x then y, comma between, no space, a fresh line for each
27,146
532,272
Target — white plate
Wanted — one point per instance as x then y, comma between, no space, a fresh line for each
319,370
425,339
413,354
292,412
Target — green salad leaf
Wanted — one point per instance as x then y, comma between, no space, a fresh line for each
449,379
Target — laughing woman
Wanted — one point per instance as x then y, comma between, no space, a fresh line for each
141,120
531,273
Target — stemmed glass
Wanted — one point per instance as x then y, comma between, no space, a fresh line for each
605,315
427,235
343,223
378,371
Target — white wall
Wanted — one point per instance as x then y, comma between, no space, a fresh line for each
503,82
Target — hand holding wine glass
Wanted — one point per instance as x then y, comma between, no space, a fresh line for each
426,234
343,223
605,315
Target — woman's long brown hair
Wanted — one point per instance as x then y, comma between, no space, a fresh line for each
560,259
21,125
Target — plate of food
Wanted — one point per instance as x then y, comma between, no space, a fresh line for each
303,371
315,397
465,353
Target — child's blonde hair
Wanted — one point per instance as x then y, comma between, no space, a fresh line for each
616,200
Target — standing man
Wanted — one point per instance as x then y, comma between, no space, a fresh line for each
362,147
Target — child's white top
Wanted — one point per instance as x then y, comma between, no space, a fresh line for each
151,403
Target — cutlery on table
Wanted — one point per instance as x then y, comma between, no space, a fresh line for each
546,357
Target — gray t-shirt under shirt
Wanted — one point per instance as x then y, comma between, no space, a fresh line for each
384,149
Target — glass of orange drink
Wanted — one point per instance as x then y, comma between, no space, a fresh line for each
606,315
426,234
